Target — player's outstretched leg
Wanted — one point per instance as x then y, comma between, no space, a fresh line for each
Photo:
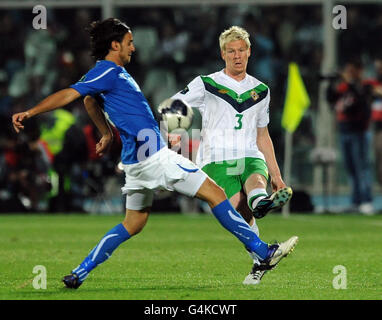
133,223
261,205
256,274
101,252
230,219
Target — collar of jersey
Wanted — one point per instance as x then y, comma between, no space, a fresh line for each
108,61
231,93
222,72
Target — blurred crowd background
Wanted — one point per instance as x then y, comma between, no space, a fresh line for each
52,165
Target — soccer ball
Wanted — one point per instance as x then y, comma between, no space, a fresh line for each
177,113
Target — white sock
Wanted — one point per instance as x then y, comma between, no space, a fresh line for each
254,197
255,229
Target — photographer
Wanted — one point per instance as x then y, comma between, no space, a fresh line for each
351,98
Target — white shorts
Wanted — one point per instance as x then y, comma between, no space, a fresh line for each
164,170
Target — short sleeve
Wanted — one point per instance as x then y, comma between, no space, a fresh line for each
193,93
263,118
96,81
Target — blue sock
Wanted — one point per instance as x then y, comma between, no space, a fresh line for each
234,223
102,251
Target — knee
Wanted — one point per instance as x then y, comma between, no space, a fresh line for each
255,181
214,189
211,192
218,190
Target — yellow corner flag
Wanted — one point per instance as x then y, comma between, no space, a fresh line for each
296,101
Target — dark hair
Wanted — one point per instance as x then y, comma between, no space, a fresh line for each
102,33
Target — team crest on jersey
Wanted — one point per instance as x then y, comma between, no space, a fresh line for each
254,95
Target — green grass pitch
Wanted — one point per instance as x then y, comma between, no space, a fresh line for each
184,257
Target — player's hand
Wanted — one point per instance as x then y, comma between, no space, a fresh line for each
277,183
17,120
103,145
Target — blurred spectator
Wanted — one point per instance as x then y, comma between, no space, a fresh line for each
308,38
54,128
377,118
71,154
81,173
263,46
355,40
5,99
25,165
351,99
376,34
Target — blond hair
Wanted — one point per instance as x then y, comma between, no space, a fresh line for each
232,34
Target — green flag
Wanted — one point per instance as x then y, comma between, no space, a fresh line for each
296,101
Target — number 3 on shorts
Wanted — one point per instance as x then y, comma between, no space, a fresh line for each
239,124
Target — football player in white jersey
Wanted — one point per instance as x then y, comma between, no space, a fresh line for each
235,148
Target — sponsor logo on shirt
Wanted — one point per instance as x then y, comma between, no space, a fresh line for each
185,90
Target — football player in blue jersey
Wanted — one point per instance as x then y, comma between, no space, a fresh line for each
147,162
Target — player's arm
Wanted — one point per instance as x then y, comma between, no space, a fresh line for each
96,114
265,145
194,95
56,100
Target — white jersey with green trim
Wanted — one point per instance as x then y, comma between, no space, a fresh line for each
231,112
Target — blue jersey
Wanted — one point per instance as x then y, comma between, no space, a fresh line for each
126,107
